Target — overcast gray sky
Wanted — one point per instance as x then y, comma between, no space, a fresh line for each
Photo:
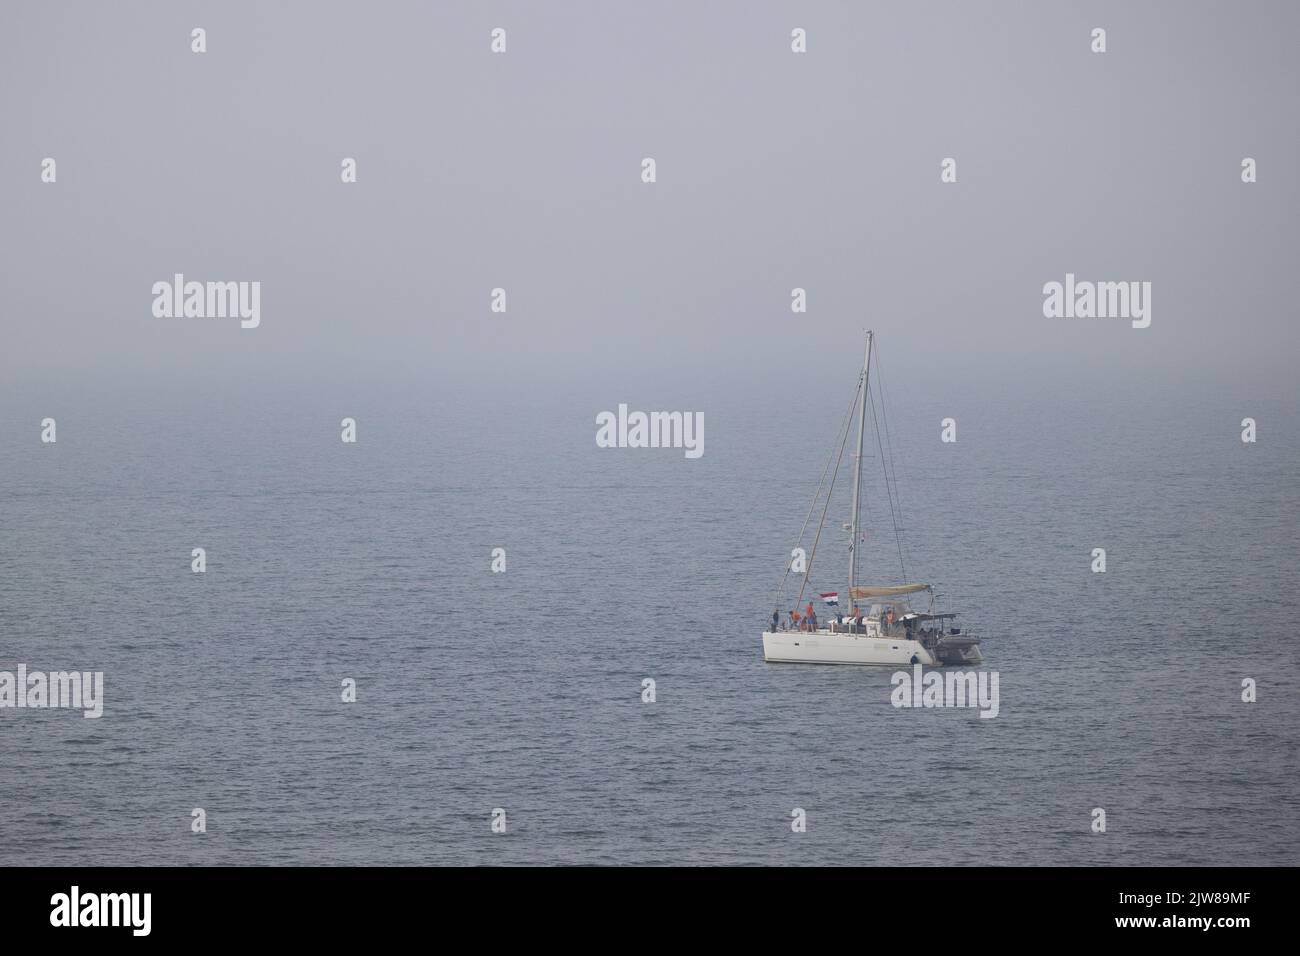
522,170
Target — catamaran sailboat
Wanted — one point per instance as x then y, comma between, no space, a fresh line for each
880,626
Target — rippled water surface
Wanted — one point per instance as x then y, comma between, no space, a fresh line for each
522,690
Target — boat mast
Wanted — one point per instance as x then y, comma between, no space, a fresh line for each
857,473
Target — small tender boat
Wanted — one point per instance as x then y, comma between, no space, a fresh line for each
880,627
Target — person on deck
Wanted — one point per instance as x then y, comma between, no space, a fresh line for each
776,619
812,617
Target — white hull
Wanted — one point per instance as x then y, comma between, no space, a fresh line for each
823,647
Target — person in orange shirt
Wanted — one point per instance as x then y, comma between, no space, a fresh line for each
812,617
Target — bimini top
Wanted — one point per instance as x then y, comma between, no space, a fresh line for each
866,592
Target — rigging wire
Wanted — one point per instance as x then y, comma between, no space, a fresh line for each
884,415
848,418
821,524
893,513
885,445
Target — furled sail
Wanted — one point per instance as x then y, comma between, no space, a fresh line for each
866,592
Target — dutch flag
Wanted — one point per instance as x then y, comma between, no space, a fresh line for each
830,597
